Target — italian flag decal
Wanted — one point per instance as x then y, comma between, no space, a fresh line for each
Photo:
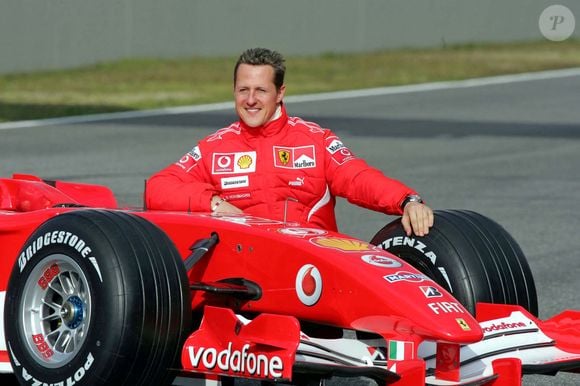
399,350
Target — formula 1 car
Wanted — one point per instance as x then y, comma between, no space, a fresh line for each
97,295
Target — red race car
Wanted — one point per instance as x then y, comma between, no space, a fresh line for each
96,295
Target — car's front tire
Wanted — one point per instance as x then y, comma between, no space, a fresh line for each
470,255
97,298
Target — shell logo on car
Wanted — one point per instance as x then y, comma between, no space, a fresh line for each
342,244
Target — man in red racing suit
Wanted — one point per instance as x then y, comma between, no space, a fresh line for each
270,165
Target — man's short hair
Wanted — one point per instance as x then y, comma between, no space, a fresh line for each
263,56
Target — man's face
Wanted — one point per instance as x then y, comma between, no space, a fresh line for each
255,94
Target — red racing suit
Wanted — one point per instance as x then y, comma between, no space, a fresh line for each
286,163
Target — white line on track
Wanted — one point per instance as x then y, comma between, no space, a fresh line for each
423,87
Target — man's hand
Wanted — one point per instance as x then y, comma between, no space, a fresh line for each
417,218
219,205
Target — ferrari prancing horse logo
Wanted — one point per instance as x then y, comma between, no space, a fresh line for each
284,156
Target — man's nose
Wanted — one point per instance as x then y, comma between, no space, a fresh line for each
251,98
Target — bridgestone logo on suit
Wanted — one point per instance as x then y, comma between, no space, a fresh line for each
235,182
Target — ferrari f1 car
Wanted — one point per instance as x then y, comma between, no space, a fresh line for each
96,295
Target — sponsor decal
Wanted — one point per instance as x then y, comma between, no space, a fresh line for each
308,285
235,182
338,151
381,261
446,308
302,232
301,157
190,159
49,274
400,350
405,276
57,237
237,196
195,153
77,377
404,241
228,163
503,326
299,181
343,156
401,241
342,244
239,362
463,324
334,146
42,347
430,292
284,156
244,162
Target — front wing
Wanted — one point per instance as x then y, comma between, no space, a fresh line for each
271,347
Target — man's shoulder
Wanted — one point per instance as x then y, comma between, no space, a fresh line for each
308,127
230,132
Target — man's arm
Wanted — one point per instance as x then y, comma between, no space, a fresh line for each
174,189
363,185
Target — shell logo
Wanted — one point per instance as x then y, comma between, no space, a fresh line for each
245,161
346,245
308,285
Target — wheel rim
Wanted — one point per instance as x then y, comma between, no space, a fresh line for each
56,311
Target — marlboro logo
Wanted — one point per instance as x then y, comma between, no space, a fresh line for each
301,157
339,152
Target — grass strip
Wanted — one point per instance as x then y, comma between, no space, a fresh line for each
154,83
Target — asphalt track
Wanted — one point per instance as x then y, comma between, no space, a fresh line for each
509,150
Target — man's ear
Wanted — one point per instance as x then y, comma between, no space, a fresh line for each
281,92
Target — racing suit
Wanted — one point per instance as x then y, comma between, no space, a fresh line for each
288,165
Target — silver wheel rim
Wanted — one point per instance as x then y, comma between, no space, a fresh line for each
56,311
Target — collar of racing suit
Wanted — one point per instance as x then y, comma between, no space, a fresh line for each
270,128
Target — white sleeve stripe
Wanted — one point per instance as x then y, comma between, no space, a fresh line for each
323,201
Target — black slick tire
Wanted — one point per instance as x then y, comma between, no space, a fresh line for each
97,298
470,255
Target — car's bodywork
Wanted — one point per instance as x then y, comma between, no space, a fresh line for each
259,286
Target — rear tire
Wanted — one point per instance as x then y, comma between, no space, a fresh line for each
470,255
98,298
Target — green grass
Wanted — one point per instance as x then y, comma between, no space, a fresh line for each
149,83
